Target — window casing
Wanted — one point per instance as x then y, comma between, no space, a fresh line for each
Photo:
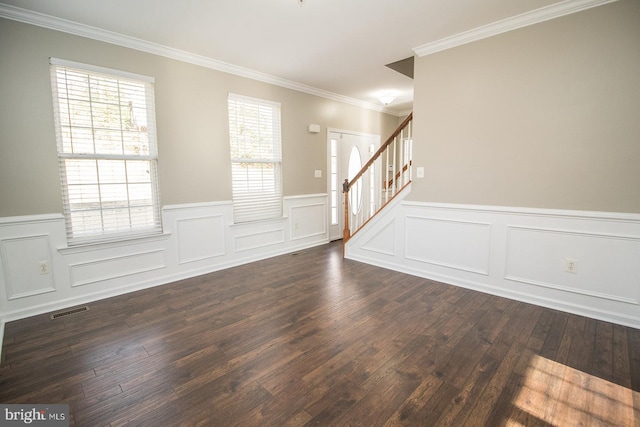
107,152
256,158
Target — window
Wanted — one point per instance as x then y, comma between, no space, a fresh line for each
333,153
256,159
107,151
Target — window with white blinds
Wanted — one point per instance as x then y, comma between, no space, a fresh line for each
256,159
107,151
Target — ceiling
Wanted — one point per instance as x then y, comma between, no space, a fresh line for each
336,46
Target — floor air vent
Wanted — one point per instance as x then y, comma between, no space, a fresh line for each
69,312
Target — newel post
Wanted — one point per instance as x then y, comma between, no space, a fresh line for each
345,232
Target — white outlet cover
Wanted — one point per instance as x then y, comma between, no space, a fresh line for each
43,267
318,173
420,172
571,266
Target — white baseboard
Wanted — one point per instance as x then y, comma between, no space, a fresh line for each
198,239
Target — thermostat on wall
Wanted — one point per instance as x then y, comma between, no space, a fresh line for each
314,128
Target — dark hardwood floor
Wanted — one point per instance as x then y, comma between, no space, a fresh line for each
312,339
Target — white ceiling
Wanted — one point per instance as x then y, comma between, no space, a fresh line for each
336,46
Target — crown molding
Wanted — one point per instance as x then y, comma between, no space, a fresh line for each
536,16
94,33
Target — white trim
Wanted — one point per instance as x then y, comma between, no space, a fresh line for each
588,295
560,213
484,271
73,267
11,295
536,16
159,256
87,298
383,228
100,70
320,233
616,236
245,98
573,290
30,219
82,30
109,244
197,205
509,228
181,259
523,296
278,232
292,226
259,222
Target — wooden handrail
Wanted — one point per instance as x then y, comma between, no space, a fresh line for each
382,148
386,182
348,233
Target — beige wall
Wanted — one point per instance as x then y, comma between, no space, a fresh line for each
545,116
191,116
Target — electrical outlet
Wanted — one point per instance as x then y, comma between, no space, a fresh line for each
571,266
43,267
420,172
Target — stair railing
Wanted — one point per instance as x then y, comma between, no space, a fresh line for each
385,175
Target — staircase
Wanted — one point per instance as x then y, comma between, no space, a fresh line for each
382,178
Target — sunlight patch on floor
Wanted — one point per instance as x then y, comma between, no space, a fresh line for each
559,395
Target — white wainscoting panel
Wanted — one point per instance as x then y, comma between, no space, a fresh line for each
308,221
607,265
518,253
200,238
379,242
383,241
461,245
21,260
197,239
259,239
115,267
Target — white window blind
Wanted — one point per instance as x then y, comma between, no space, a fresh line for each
107,151
256,159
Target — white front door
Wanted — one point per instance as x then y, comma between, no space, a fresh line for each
347,152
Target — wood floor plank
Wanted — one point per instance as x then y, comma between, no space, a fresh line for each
603,350
459,408
483,407
621,370
553,339
413,407
633,339
312,339
436,405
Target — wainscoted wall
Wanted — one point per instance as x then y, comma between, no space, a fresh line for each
581,262
40,273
